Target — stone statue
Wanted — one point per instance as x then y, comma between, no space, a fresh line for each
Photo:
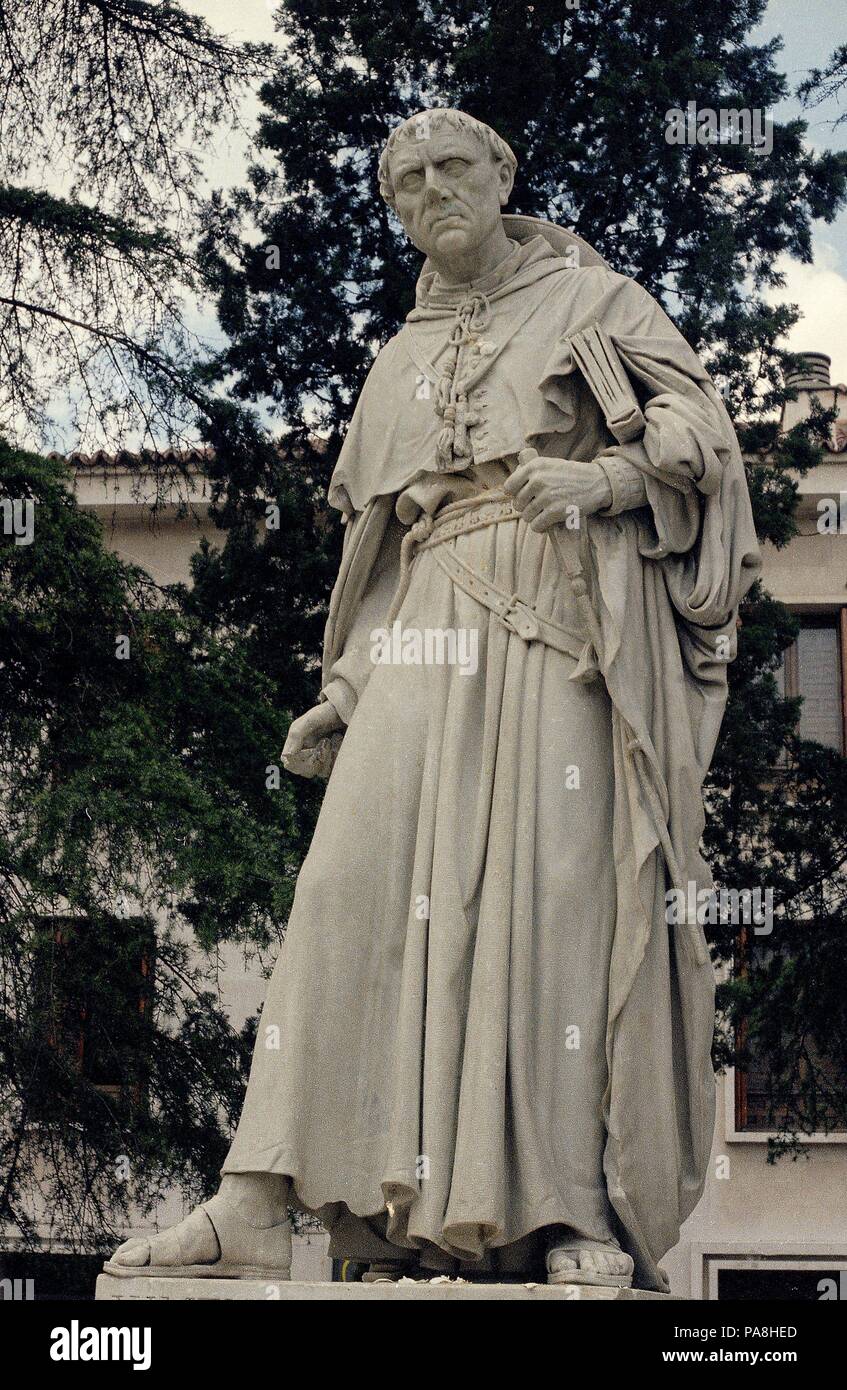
494,1047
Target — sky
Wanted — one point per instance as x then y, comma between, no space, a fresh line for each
810,29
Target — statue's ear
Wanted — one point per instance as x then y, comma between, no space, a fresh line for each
506,176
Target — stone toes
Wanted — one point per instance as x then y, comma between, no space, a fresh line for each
133,1252
601,1262
606,1262
560,1263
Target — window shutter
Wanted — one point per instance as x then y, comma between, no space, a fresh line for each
819,679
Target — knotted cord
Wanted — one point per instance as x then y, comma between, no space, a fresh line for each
453,451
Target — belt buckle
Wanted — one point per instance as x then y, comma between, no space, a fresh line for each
520,619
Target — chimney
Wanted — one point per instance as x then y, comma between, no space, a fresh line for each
811,372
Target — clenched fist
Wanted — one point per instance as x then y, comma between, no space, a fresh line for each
543,489
303,752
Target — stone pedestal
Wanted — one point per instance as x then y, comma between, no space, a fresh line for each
142,1289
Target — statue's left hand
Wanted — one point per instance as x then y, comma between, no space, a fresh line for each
543,489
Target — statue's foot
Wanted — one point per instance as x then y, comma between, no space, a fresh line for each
576,1260
213,1242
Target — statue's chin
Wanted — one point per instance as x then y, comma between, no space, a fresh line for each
451,241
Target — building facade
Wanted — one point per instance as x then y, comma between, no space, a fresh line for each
780,1230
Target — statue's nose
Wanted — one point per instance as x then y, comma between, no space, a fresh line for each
435,193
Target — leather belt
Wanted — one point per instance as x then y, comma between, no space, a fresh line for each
517,615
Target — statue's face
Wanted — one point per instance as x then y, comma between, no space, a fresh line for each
448,191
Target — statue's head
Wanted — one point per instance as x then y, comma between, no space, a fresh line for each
447,175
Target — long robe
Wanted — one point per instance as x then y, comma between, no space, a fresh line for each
486,1024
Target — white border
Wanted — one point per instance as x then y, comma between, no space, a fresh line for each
761,1136
709,1258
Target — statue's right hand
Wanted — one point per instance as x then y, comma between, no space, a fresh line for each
310,728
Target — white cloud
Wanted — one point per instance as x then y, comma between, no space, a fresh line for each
820,292
244,20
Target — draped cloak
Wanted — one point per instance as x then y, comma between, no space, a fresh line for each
665,581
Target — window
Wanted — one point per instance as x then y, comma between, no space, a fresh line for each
803,1278
763,1093
814,668
761,1109
94,994
48,1277
777,1285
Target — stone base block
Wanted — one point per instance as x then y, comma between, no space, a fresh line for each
142,1289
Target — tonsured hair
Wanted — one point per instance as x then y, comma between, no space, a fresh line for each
411,129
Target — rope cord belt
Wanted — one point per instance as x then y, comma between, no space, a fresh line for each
467,515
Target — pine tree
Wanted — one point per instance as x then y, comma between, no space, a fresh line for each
106,107
829,81
143,815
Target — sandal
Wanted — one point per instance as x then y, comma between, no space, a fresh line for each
253,1252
